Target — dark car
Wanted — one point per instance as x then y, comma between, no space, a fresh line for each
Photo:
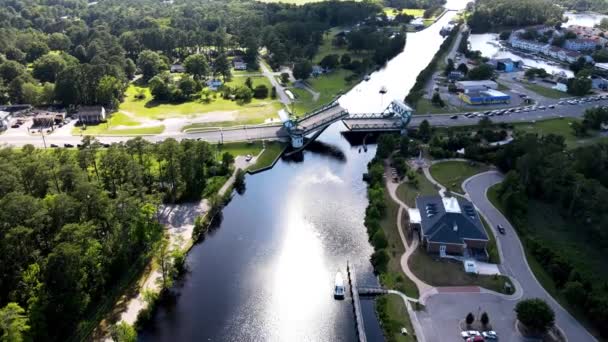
54,146
501,229
15,126
454,117
68,145
106,145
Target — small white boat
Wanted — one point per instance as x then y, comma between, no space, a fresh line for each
366,77
339,289
383,90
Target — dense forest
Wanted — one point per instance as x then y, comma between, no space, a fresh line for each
493,15
541,170
585,5
75,223
72,53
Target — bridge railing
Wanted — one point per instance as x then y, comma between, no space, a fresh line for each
318,111
323,122
394,125
366,116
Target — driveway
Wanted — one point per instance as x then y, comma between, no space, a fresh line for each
513,258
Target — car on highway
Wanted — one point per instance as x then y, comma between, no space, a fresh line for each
542,107
454,117
500,229
475,339
54,146
561,102
551,106
68,145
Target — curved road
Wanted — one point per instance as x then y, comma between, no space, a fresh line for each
514,262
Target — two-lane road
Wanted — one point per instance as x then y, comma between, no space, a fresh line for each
514,262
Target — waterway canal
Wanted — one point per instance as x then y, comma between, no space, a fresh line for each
267,272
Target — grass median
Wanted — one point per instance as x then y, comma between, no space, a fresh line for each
451,174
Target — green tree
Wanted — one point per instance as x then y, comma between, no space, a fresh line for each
424,131
196,65
36,50
222,66
10,70
345,60
239,181
535,314
470,318
485,319
109,91
330,61
159,88
302,70
260,92
47,67
59,41
579,86
165,264
284,78
13,323
482,72
187,86
575,293
243,94
249,83
124,332
437,100
150,64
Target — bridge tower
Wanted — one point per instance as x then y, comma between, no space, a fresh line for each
296,135
403,111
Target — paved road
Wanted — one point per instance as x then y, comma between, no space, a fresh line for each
277,132
271,77
513,259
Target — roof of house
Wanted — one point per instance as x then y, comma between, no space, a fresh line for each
486,83
449,220
90,110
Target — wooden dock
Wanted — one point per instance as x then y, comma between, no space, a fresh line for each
352,281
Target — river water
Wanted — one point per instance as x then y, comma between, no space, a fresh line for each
267,272
487,43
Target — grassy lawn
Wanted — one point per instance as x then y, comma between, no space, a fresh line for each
415,12
240,148
304,101
393,314
545,223
272,151
560,127
395,278
408,192
214,184
150,109
545,91
491,247
451,174
425,106
446,272
328,85
255,81
103,129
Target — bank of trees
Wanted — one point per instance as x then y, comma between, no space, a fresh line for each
71,47
75,223
490,15
542,169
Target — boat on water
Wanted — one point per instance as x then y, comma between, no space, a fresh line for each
339,289
383,90
366,77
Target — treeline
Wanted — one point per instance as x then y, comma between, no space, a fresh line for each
417,91
585,5
75,223
72,52
491,15
540,168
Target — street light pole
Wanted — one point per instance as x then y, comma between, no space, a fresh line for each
43,140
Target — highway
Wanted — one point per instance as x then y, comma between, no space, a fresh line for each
274,132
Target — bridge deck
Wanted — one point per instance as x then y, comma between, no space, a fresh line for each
375,124
321,118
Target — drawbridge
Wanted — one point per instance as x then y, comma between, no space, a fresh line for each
395,117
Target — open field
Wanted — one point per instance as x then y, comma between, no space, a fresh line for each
545,223
560,127
149,109
545,91
408,192
445,272
393,313
451,174
329,86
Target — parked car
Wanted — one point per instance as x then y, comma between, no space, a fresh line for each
501,229
475,339
54,146
15,126
551,106
474,333
68,145
489,335
248,157
454,117
464,335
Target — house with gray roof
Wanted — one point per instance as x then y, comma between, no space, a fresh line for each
451,225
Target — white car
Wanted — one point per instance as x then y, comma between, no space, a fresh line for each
464,335
474,333
490,335
248,157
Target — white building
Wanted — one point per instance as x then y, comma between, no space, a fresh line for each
580,44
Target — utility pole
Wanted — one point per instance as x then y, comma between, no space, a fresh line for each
43,140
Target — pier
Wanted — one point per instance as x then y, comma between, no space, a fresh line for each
352,281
